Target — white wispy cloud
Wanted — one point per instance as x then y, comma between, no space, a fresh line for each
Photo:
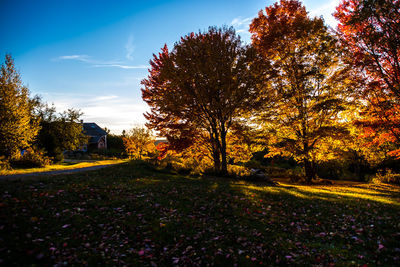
325,9
99,63
241,26
241,22
83,58
130,48
106,97
117,113
121,66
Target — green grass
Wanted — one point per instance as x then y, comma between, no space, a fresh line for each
67,165
136,215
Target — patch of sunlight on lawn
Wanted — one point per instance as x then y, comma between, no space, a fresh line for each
386,194
350,192
252,192
70,165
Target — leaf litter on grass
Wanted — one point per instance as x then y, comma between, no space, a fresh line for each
135,215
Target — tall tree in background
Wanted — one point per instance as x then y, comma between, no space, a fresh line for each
199,88
370,30
305,82
18,125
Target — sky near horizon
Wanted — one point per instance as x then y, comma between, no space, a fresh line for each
92,55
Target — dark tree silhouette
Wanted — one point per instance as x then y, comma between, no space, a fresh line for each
199,89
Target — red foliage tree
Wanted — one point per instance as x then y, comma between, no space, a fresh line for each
370,30
199,89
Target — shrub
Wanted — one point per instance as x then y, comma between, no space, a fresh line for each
110,153
80,155
254,164
58,156
276,172
4,164
332,169
31,159
94,156
386,177
184,163
235,170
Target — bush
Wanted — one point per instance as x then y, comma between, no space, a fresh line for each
110,153
254,164
184,163
58,156
386,177
31,159
276,172
80,155
4,164
235,170
332,169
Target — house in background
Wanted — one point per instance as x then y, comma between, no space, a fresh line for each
160,140
97,136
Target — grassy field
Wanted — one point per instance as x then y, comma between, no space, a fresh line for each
67,165
133,214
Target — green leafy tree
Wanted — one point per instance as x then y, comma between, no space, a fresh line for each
18,124
199,89
115,142
60,131
305,84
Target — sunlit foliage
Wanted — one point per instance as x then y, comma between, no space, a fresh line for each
18,124
305,85
370,31
139,142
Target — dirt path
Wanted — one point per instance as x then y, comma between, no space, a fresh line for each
68,171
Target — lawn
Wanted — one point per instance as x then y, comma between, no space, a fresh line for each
66,165
133,214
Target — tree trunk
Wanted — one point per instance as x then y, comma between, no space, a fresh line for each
217,160
216,147
224,167
357,167
310,171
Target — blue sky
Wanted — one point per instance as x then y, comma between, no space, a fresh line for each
92,55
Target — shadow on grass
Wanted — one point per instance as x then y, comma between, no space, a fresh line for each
136,214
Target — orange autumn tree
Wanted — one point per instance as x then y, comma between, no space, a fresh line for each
196,158
198,90
370,30
138,142
305,84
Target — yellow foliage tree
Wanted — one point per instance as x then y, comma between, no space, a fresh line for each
18,124
139,142
305,89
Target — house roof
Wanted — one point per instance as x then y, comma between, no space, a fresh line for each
94,131
165,141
